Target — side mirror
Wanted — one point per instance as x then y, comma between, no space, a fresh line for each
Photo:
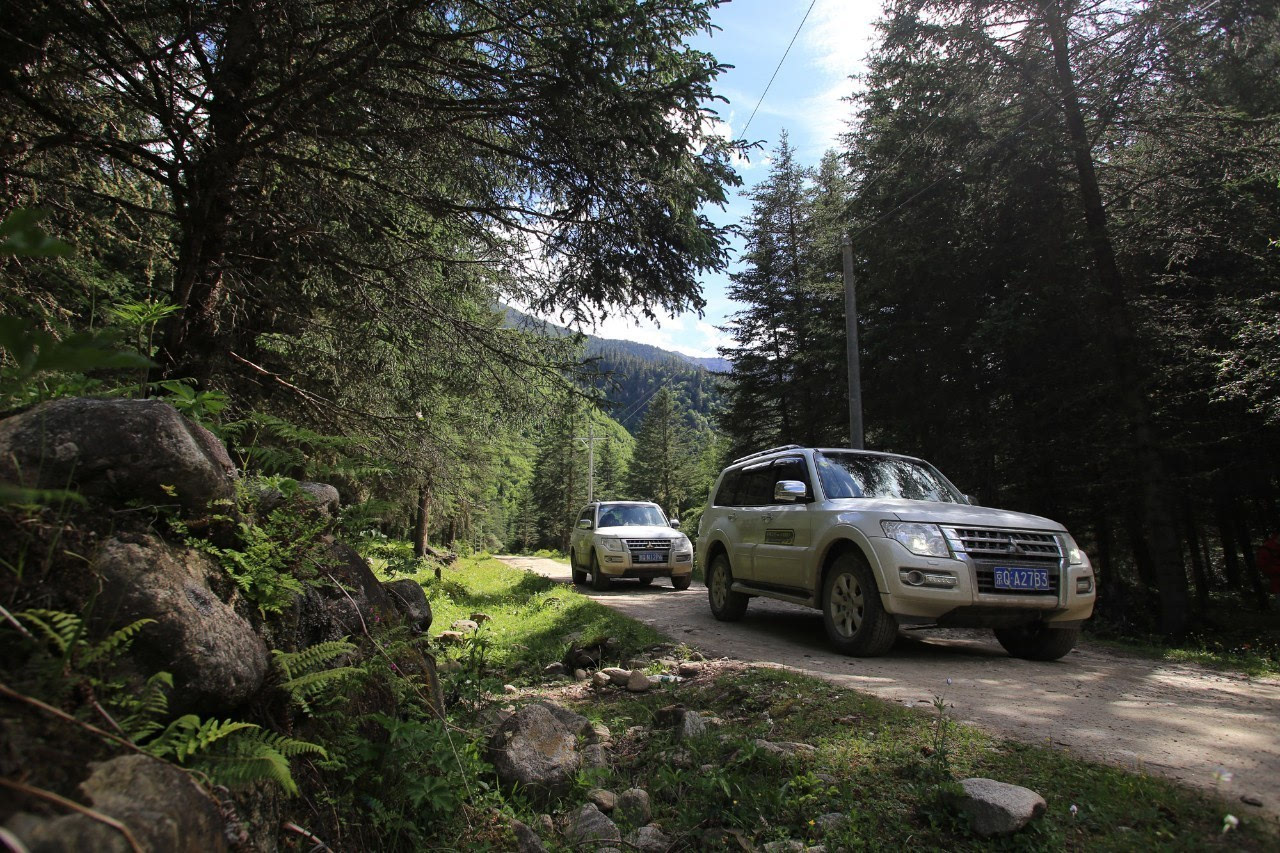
789,491
675,522
584,524
971,500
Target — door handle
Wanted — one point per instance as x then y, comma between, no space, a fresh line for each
733,516
767,517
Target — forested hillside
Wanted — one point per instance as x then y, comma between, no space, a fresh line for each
627,374
1064,224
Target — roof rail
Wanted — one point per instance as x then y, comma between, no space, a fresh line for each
765,452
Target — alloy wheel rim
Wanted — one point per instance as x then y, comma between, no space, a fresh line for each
847,605
718,587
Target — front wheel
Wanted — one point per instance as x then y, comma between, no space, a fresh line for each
726,605
579,576
856,621
1037,641
681,581
599,581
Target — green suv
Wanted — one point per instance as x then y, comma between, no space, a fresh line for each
877,540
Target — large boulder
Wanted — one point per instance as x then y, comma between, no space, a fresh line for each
362,601
116,449
324,496
163,808
536,751
997,808
216,659
406,596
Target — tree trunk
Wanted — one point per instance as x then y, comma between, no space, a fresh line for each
206,205
1256,581
1155,482
1226,534
1199,570
422,521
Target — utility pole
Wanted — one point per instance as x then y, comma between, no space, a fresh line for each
851,346
590,441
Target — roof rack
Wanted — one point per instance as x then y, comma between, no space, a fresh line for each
765,452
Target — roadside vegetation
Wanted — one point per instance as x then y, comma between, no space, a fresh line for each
882,766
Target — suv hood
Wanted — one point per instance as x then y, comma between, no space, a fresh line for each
946,513
636,531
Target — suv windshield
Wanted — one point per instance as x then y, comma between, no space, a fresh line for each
630,515
856,475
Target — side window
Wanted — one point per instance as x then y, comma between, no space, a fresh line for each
726,495
791,469
757,486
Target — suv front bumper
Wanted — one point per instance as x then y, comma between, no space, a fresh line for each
969,603
624,565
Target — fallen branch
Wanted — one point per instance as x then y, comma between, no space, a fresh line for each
57,799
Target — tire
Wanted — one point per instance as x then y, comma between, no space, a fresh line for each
645,581
579,576
681,581
1037,641
599,581
852,613
726,605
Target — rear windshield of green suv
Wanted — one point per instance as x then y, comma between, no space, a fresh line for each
857,475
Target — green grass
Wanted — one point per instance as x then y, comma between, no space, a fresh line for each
886,772
881,765
532,620
1241,639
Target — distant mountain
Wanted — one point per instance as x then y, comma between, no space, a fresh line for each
636,371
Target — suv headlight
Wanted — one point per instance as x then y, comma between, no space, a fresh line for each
926,540
610,543
1075,556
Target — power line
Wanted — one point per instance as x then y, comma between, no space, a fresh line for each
779,68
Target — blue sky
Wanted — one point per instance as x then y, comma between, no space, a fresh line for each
805,100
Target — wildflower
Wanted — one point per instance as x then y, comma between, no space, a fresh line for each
1230,822
1075,810
948,682
1223,775
810,823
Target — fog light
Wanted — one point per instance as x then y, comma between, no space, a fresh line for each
940,580
1084,585
609,559
913,577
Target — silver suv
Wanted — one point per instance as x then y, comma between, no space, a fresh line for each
876,540
628,539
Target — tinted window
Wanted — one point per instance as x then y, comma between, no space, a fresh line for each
854,475
725,495
757,486
792,469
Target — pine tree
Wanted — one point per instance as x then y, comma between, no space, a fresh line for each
663,462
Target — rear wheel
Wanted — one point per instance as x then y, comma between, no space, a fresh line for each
852,613
726,605
579,576
599,582
681,581
1037,641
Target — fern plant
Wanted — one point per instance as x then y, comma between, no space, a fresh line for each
66,634
230,752
305,675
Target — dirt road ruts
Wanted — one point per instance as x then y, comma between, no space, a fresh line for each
1177,720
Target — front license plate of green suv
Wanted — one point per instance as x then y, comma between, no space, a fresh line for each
1032,580
651,557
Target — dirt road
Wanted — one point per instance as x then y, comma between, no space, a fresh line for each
1177,720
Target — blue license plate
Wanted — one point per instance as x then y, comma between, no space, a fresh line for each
1034,580
651,557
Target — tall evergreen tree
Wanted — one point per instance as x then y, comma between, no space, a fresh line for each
663,462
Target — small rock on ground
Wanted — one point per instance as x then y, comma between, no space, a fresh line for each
633,805
638,682
997,808
606,801
649,839
587,825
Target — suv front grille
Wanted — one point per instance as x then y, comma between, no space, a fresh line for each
648,544
1023,546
